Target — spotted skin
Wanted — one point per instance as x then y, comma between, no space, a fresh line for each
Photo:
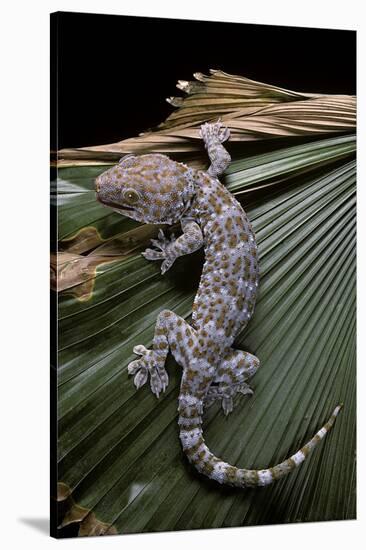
154,189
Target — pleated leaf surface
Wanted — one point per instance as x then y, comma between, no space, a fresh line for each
120,460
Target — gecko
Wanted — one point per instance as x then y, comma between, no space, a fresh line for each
152,188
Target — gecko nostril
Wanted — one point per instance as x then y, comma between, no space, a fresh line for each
97,185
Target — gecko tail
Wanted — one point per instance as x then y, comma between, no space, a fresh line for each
208,464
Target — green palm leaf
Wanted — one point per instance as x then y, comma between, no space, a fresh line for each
120,464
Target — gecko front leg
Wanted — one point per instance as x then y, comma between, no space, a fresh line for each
169,250
213,136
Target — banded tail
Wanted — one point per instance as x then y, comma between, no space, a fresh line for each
198,454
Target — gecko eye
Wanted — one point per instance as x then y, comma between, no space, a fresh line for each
131,196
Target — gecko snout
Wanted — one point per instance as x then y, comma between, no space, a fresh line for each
97,185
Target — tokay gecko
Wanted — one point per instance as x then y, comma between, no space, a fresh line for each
151,188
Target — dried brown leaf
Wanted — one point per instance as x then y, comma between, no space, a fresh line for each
252,110
84,240
74,513
76,274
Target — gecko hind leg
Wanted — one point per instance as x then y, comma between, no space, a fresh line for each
168,335
231,376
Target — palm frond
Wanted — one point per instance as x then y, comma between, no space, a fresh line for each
120,464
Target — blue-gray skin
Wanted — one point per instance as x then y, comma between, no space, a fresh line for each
154,189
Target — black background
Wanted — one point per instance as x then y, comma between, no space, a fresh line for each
114,72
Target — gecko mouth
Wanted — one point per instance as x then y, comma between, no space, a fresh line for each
115,205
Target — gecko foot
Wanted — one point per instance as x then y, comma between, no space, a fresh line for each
226,395
148,364
214,130
162,253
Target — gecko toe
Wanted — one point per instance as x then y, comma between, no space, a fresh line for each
141,378
140,350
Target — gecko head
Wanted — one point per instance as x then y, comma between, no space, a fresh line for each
148,188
